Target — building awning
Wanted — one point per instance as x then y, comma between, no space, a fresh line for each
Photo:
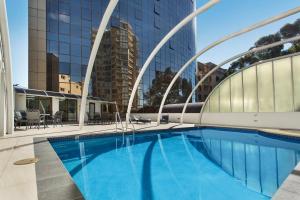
19,90
55,94
44,93
35,92
177,108
72,96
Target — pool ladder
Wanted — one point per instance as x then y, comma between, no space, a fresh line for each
119,120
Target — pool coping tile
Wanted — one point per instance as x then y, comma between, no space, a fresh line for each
53,180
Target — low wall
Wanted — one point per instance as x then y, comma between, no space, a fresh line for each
189,118
253,120
277,120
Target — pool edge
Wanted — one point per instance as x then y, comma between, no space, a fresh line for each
52,179
286,191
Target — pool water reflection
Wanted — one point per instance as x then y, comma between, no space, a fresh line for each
195,163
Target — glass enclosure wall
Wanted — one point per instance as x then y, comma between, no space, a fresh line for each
272,86
43,104
69,108
134,30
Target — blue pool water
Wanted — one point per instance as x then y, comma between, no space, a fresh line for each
208,163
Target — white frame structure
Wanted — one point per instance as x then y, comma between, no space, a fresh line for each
254,50
159,46
228,37
108,12
6,84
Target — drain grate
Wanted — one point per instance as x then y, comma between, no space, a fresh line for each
26,161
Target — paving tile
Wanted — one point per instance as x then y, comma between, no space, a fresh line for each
53,183
60,193
19,192
291,186
285,195
49,171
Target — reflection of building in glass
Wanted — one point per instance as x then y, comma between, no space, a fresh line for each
64,28
213,80
52,72
68,86
115,68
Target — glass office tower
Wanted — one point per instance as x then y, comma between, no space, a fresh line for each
133,31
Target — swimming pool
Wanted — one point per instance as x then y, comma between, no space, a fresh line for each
197,163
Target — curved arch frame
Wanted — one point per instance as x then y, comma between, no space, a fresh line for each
8,80
257,49
159,46
228,37
105,19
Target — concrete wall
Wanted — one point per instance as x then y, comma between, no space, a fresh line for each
288,120
20,102
55,105
251,120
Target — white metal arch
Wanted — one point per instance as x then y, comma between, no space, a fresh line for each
6,96
105,19
228,37
159,46
257,49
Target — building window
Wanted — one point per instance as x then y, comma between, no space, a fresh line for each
138,14
157,22
156,8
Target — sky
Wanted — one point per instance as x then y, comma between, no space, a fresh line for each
226,17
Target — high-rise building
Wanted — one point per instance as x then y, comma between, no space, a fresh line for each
208,85
61,34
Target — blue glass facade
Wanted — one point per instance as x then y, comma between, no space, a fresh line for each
70,28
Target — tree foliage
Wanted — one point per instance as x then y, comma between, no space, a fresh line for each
287,31
179,92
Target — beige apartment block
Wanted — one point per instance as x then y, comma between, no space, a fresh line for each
37,44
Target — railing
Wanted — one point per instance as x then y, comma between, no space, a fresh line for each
117,121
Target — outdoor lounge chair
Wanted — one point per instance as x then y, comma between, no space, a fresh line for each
139,119
143,120
164,119
134,119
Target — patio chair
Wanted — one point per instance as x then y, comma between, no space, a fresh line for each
19,119
97,117
57,118
34,119
89,118
108,118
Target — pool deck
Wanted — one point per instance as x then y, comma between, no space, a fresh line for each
29,181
